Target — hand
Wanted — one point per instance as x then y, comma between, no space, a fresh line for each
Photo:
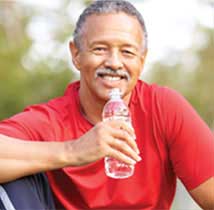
112,138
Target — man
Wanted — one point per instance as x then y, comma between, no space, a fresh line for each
67,139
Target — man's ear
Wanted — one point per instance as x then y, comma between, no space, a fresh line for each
75,54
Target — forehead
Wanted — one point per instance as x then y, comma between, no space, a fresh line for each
113,27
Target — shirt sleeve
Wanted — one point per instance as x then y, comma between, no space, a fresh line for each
189,139
34,123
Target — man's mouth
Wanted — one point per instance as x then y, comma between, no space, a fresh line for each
112,75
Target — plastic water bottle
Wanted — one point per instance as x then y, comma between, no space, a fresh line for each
115,108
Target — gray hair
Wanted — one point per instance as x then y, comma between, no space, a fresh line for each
99,7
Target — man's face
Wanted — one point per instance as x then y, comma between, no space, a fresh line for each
111,55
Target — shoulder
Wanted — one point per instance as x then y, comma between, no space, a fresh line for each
57,107
154,95
168,110
153,89
42,121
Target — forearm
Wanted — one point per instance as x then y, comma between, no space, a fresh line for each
20,158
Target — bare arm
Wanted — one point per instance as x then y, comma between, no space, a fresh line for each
19,158
204,194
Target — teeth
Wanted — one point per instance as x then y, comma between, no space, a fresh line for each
110,78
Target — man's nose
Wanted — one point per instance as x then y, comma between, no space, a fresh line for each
114,61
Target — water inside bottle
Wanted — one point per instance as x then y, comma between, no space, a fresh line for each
117,169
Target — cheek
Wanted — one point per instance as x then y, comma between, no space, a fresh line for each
135,68
91,60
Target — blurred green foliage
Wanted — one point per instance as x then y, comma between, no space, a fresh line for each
19,86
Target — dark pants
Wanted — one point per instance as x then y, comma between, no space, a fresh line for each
28,193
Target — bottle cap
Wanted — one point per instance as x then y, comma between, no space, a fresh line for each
115,92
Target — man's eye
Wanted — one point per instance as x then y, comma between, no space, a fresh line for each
128,52
99,49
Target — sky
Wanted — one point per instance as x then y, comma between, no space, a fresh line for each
170,24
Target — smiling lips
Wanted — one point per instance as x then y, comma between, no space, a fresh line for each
112,75
111,78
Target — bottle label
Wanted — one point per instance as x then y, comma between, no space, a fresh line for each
125,119
122,118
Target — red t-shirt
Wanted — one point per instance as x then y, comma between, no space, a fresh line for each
173,141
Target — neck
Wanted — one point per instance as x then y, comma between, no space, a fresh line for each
91,108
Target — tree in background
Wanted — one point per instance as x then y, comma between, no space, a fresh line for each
27,78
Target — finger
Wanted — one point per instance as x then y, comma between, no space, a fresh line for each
125,136
126,126
121,156
123,147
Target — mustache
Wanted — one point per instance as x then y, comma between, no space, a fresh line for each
111,72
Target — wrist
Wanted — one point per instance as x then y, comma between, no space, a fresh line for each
67,156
